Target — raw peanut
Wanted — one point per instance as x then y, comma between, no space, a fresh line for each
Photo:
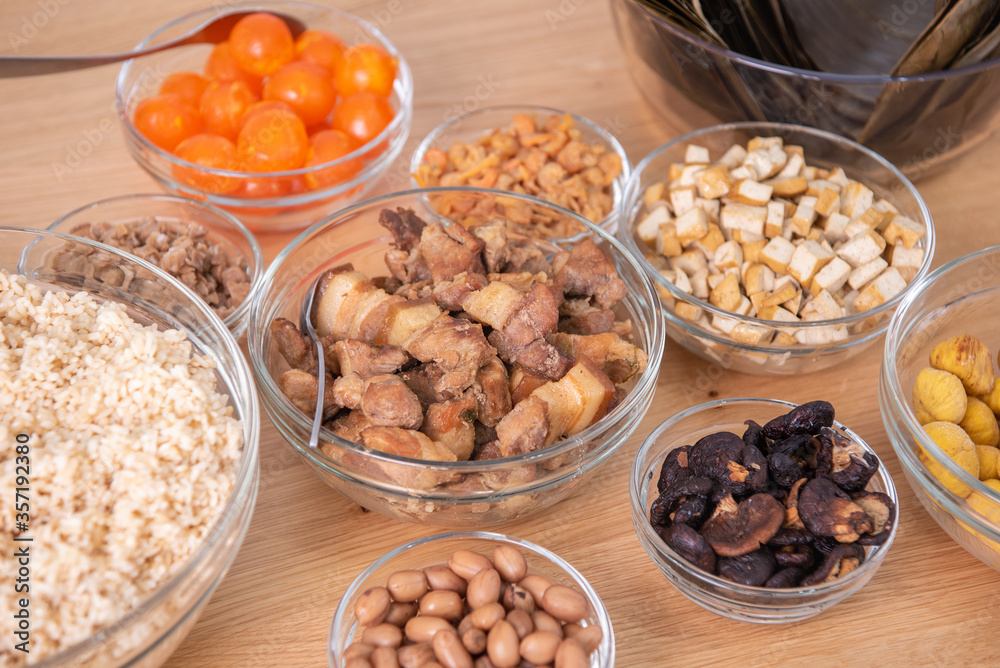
358,662
442,577
484,588
565,604
358,650
450,652
383,635
543,621
467,563
415,656
571,629
400,613
384,657
483,662
406,586
571,655
444,604
502,645
540,647
474,640
423,629
535,585
465,624
372,606
487,616
510,563
521,621
589,637
517,598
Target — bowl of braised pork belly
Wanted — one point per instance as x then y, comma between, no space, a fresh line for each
473,372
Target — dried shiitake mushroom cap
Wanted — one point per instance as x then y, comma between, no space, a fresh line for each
805,419
844,461
841,560
755,464
675,466
826,510
752,569
882,512
713,455
786,578
690,545
691,511
788,536
754,435
739,531
800,555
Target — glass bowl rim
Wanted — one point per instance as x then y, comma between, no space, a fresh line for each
640,478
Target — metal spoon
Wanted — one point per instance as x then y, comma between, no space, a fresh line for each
213,31
305,321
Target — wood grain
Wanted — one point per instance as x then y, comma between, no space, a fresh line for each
930,604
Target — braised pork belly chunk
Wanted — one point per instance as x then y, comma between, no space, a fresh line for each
477,346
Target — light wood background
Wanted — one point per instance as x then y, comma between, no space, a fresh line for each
930,604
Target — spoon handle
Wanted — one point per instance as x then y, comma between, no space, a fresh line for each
28,66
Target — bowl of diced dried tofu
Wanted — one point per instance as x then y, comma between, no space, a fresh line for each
473,373
775,248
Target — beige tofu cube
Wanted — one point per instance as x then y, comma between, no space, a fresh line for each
709,206
905,230
726,295
758,278
805,214
648,228
687,177
765,142
734,156
681,281
766,161
796,161
822,307
667,242
807,260
743,216
727,325
690,262
687,310
695,153
838,176
777,314
750,335
861,249
777,254
692,225
887,285
782,293
744,237
751,250
682,199
855,199
743,172
821,336
674,172
757,302
784,338
872,218
832,277
900,256
835,226
750,192
793,304
817,186
811,173
827,202
815,234
908,273
885,206
787,186
713,182
855,228
709,243
861,276
699,283
775,221
654,193
714,279
729,254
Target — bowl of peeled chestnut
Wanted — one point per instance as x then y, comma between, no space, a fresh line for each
761,510
472,372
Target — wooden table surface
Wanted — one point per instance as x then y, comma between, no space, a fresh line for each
930,604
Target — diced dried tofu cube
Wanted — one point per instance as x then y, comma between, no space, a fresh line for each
750,335
860,276
777,254
817,186
654,193
820,336
681,281
711,241
757,301
831,277
861,249
775,220
744,217
787,186
885,206
699,283
908,273
690,262
667,242
784,339
750,192
765,142
848,299
709,206
729,254
822,307
855,228
834,227
743,172
907,230
696,153
794,304
838,176
713,182
715,279
744,237
674,172
828,202
815,234
751,250
779,295
726,295
872,217
687,310
777,313
682,199
855,199
692,225
805,214
724,324
758,278
811,173
648,228
900,256
794,149
766,161
887,285
796,161
688,175
734,156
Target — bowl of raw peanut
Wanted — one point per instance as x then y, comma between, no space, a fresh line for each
776,248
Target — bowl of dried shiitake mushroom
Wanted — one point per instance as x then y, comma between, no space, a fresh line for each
761,510
472,373
776,248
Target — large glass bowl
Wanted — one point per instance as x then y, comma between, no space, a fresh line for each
221,228
472,125
434,550
923,120
822,149
148,634
736,601
960,297
141,78
485,492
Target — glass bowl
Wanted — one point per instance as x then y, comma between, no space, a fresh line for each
436,549
294,207
922,122
471,125
149,633
822,149
222,229
478,493
959,297
736,601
